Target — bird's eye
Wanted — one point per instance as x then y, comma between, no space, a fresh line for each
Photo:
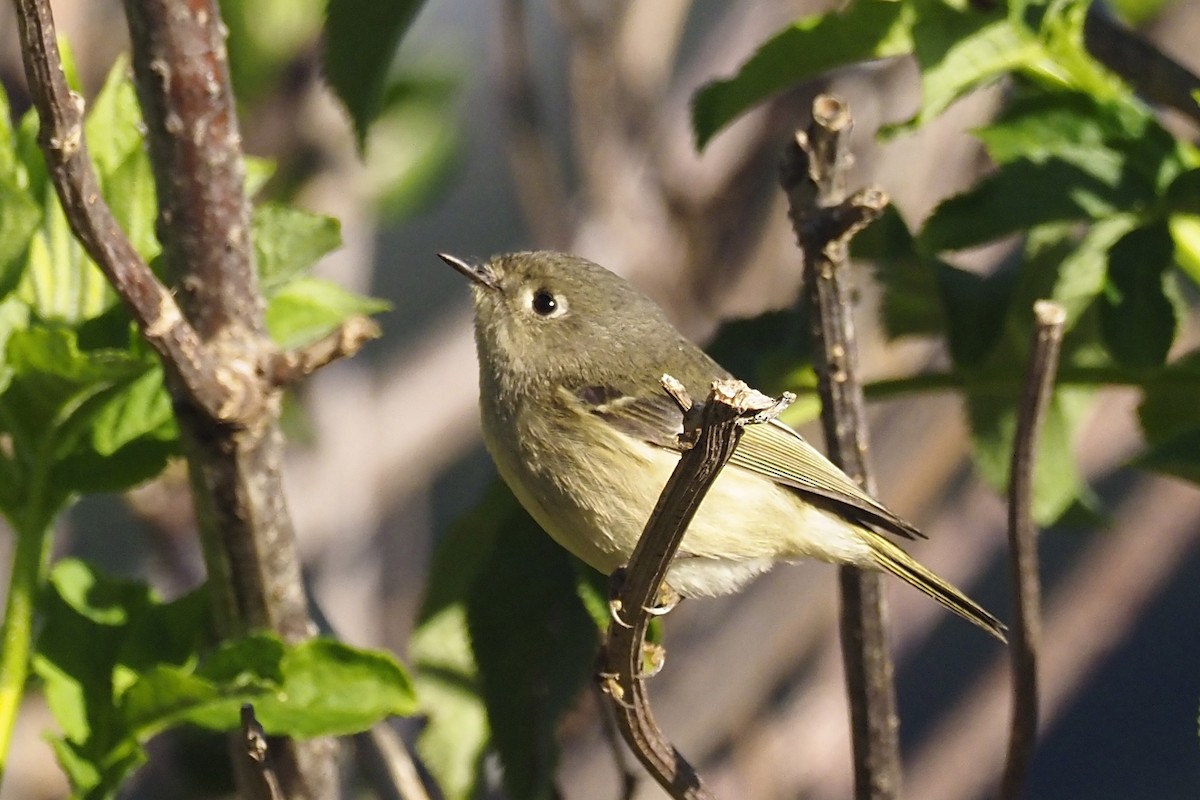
545,303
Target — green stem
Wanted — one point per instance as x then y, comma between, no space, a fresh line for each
16,637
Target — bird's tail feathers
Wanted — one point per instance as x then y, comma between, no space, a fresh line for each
891,558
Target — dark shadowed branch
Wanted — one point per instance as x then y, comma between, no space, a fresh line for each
256,753
1022,538
1152,73
824,219
711,433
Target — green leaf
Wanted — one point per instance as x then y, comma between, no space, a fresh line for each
128,438
361,37
114,120
1024,194
308,308
1137,315
134,202
535,645
20,216
288,241
60,282
455,737
962,49
910,304
90,419
456,734
866,29
1081,273
8,142
333,689
1057,482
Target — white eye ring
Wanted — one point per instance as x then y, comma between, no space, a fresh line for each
547,304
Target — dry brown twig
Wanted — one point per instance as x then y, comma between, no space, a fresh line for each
824,219
711,434
1025,639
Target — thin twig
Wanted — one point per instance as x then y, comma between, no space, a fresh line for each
711,435
257,755
813,176
289,367
62,140
1022,537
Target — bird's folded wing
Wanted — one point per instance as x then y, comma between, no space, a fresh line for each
771,449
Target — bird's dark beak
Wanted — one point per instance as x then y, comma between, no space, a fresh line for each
479,271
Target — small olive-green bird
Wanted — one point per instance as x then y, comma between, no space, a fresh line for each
574,415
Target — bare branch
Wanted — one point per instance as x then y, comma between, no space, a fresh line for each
1022,537
62,140
711,435
287,368
257,756
1151,72
813,176
387,765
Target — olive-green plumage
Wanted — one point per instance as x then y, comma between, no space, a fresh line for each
570,357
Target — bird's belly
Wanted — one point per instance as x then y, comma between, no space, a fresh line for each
595,501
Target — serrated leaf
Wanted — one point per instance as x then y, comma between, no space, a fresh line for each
961,49
1024,194
1137,315
308,308
360,42
866,29
535,645
910,304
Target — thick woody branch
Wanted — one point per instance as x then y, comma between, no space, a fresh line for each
824,219
62,141
1022,538
711,434
182,73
